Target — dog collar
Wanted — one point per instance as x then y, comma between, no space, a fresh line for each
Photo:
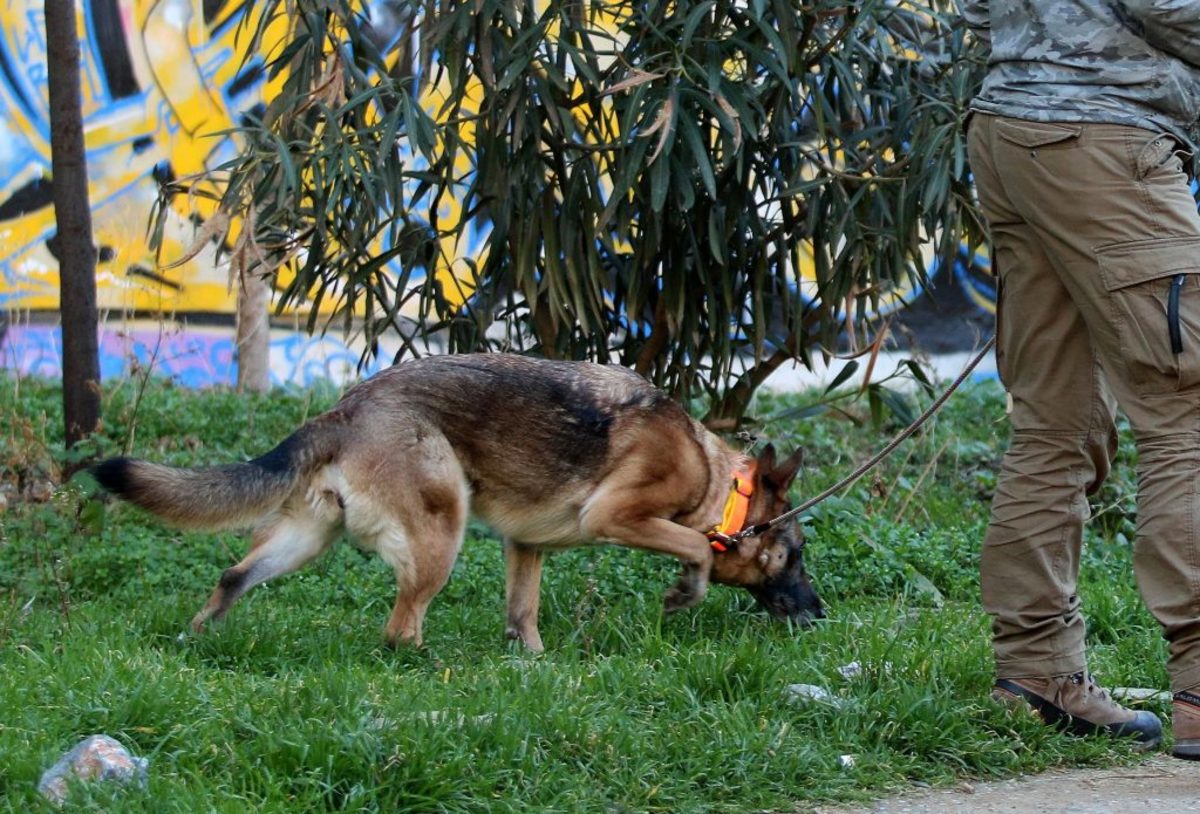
733,518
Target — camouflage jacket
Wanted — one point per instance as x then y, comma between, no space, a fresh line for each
1133,62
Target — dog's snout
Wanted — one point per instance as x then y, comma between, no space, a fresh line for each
809,616
790,599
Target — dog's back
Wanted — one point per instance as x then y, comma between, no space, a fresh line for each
533,436
537,421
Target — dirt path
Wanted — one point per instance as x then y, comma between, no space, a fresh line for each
1160,785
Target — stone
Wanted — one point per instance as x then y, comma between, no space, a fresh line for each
97,758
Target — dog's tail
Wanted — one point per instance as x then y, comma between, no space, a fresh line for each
219,497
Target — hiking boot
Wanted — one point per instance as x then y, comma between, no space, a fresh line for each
1185,725
1076,704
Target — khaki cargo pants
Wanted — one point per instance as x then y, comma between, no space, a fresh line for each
1097,246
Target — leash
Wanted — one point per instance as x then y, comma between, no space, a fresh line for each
764,527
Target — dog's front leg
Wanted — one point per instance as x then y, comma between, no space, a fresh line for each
688,590
610,520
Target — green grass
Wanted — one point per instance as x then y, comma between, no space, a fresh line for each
293,704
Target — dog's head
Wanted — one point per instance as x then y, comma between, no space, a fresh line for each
771,565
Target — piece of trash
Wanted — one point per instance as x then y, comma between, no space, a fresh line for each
811,692
855,670
435,717
449,718
96,758
846,761
850,671
40,491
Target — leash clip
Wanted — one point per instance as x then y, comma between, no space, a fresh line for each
721,542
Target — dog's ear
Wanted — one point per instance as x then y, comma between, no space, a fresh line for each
766,459
780,476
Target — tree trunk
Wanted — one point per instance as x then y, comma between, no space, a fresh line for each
253,333
73,241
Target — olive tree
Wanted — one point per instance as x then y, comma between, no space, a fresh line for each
702,190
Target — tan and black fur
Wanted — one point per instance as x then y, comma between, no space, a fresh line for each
550,454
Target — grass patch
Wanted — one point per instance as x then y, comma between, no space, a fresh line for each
293,704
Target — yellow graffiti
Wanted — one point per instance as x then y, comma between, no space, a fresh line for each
175,120
163,88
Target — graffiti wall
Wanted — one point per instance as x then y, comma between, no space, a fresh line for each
192,356
163,83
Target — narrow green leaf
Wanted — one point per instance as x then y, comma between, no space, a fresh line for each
843,375
699,154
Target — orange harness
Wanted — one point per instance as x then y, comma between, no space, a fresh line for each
733,518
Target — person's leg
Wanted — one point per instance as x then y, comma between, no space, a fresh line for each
1063,439
1130,259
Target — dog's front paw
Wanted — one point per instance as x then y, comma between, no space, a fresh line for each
678,597
687,592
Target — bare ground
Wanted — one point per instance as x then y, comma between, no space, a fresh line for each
1160,784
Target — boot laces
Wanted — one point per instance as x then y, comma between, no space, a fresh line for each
1089,684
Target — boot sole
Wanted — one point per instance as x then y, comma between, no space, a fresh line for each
1144,740
1186,707
1187,750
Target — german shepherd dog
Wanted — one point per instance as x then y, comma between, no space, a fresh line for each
550,454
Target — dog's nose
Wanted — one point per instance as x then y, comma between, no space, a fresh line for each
803,619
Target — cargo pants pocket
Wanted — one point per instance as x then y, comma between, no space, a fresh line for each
1036,135
1160,159
1153,288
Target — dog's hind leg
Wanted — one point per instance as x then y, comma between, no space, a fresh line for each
285,542
408,613
408,501
523,577
421,546
421,572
